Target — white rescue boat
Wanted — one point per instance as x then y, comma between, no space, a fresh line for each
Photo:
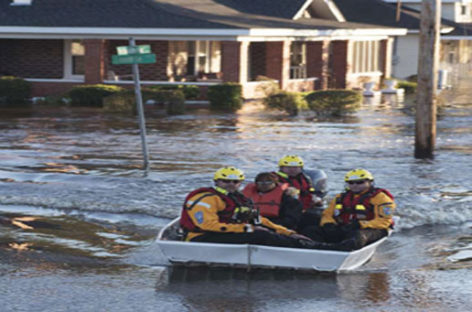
256,256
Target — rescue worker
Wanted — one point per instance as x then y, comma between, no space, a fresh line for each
291,172
221,214
357,217
276,201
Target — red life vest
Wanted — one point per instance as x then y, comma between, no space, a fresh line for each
349,208
304,185
268,203
224,216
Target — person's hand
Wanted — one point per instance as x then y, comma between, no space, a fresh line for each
300,236
261,228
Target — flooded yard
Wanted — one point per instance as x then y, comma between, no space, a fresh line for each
78,219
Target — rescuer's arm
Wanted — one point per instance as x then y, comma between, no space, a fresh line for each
204,215
384,208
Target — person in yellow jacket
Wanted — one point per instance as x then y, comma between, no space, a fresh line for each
357,217
221,214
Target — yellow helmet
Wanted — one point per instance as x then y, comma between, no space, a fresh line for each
229,173
291,161
357,175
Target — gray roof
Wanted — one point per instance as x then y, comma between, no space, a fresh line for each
377,12
380,13
460,30
275,8
206,14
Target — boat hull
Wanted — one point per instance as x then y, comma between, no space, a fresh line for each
256,256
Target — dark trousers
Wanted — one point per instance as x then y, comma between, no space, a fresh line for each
341,239
257,238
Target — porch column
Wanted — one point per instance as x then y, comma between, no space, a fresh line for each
234,61
94,60
317,62
386,52
278,61
339,64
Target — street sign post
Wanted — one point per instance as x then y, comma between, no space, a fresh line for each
134,55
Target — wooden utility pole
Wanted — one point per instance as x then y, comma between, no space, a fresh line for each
428,59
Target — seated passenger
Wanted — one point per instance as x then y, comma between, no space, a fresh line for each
221,214
357,217
276,201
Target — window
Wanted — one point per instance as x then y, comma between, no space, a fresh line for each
365,56
298,60
74,53
194,58
464,9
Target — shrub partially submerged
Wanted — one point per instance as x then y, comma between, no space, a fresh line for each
225,97
14,90
125,101
334,102
290,102
91,95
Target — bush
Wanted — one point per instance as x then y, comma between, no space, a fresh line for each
91,95
191,92
52,100
120,102
14,90
268,86
174,101
333,102
409,86
225,97
125,101
290,102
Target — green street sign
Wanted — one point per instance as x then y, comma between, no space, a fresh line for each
127,50
133,59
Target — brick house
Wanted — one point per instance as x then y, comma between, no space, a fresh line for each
303,44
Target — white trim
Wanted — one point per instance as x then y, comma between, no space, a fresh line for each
177,34
375,73
157,82
55,80
444,30
67,69
335,10
302,9
21,2
456,37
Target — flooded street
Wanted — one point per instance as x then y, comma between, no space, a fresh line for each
78,219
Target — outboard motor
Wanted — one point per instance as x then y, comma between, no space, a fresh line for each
320,181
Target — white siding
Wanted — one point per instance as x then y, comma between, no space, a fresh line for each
407,56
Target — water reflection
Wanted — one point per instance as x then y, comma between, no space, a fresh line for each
223,289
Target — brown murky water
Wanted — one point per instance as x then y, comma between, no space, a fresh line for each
78,220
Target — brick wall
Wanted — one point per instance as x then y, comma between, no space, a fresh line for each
339,64
32,58
94,60
230,59
278,61
317,62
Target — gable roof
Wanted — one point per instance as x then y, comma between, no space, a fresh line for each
275,8
380,13
170,17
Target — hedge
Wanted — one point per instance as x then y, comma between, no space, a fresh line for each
125,101
91,95
191,92
14,90
225,97
336,102
290,102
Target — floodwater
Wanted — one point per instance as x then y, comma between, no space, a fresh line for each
78,219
